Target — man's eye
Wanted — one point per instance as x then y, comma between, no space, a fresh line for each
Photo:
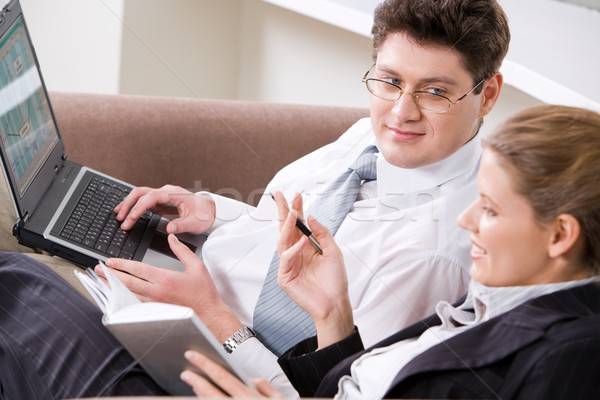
393,81
434,90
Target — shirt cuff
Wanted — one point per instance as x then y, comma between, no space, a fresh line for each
256,361
227,209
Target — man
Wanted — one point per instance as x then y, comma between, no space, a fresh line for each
435,77
413,254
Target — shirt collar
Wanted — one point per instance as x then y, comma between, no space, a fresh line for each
396,180
490,302
484,302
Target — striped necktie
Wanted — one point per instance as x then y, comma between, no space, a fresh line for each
278,322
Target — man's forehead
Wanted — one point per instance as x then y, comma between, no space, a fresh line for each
431,62
432,77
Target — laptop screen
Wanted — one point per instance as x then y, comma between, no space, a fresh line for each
27,129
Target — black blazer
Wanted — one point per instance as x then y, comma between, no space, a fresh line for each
547,348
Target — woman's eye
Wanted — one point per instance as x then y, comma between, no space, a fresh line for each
488,211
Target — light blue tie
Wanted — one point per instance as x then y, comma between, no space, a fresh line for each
278,322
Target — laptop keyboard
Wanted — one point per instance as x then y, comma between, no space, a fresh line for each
94,225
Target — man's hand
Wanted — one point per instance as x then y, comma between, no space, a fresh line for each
316,282
192,213
229,385
192,287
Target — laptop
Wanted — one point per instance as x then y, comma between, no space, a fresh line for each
62,207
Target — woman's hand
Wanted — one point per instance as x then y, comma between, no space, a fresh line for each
316,282
228,385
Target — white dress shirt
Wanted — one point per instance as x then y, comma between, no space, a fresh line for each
402,248
373,373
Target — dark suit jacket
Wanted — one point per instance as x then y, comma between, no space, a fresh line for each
546,348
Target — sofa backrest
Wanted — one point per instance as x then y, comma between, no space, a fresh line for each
229,147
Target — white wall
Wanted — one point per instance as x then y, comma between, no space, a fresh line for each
241,49
554,54
188,48
511,100
78,42
290,58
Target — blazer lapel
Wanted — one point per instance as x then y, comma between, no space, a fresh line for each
503,335
474,348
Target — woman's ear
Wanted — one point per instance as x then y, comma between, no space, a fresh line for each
565,234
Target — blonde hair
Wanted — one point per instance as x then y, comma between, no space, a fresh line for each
553,155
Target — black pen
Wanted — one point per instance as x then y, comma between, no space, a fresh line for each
307,232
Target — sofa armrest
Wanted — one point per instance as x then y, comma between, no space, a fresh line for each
224,146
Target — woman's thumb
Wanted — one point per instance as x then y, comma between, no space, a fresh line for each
320,231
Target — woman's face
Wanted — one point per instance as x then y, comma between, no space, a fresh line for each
510,248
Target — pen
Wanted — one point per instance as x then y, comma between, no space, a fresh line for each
307,232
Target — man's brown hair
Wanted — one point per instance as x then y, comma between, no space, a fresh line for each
476,29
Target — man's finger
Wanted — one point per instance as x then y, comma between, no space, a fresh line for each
142,199
128,273
130,267
187,257
146,202
128,202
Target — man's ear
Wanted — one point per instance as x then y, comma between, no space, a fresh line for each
566,231
490,94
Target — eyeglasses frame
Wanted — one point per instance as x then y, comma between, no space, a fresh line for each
412,94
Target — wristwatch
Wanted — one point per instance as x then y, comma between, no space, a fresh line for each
238,338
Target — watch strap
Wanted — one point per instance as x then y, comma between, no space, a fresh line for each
239,337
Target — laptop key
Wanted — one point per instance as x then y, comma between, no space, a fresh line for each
93,223
76,239
113,251
101,247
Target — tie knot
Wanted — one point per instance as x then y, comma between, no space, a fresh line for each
366,164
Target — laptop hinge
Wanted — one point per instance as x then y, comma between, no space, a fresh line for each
16,231
21,221
64,156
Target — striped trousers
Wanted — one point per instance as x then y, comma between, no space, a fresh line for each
52,341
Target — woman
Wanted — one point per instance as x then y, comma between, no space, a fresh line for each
529,326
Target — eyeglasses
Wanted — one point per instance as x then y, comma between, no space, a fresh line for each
435,103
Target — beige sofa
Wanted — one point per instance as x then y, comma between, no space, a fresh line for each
228,147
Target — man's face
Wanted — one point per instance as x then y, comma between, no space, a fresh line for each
410,137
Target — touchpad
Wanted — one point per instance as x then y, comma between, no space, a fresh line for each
160,254
160,243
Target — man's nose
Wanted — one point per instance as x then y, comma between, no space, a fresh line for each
406,109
